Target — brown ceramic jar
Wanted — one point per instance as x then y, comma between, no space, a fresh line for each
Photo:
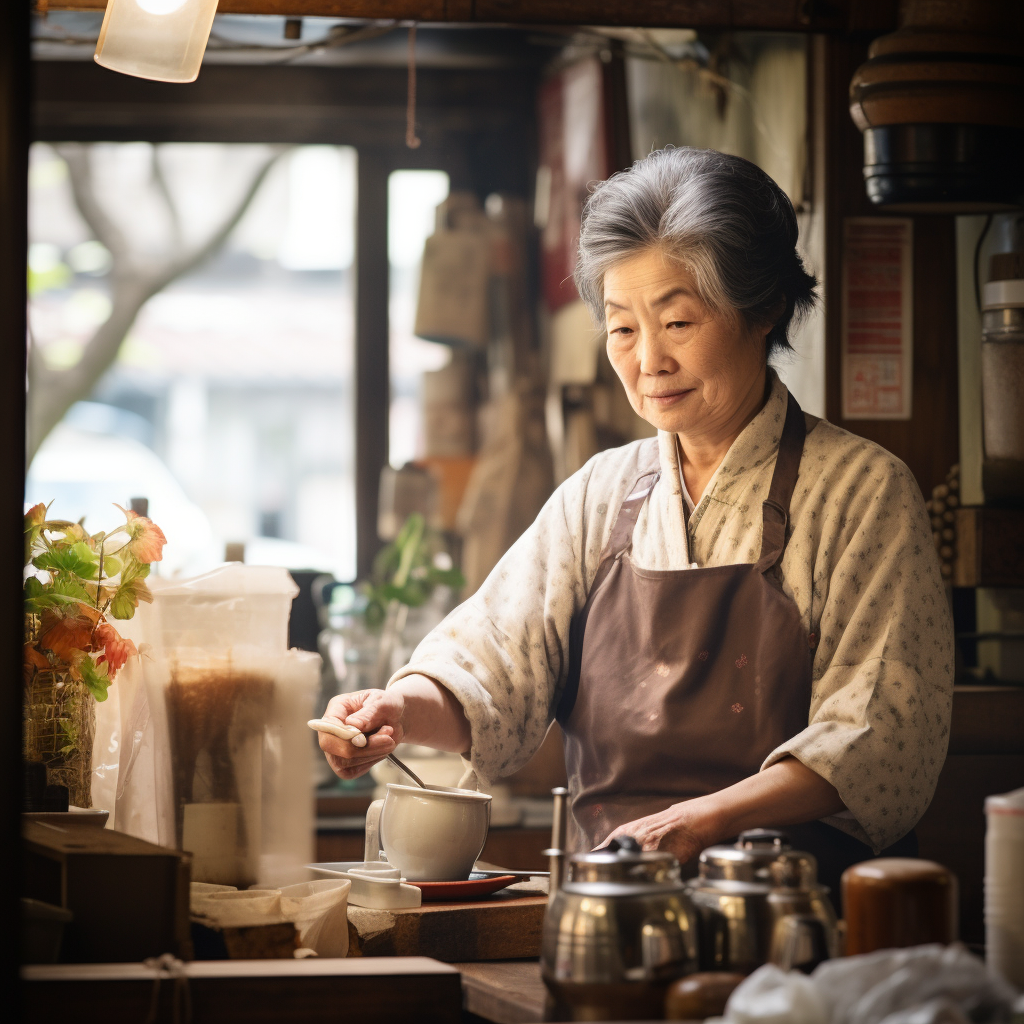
892,902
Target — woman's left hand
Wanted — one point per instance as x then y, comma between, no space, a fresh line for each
680,830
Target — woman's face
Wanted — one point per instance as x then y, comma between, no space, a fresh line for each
685,368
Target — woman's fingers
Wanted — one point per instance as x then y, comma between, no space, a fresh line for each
377,715
671,830
379,708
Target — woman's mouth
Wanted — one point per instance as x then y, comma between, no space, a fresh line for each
665,399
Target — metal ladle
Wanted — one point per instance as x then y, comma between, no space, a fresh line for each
354,736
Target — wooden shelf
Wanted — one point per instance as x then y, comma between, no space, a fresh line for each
989,547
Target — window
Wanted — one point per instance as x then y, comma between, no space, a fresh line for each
229,404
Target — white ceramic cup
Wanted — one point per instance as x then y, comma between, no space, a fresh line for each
430,835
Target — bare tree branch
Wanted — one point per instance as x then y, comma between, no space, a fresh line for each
52,392
78,157
164,190
220,236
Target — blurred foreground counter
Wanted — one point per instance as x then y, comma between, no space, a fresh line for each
386,990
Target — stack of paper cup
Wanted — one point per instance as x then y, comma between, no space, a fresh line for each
1004,885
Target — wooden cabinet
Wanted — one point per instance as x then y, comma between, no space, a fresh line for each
986,756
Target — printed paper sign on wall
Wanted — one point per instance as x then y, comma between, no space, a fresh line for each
878,329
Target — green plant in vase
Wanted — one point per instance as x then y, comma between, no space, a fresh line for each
405,573
75,584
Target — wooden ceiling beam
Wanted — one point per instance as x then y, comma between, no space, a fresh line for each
831,16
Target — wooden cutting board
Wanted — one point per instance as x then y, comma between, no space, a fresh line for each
503,926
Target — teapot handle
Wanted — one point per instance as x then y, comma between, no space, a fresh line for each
627,844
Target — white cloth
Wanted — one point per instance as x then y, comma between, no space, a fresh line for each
859,563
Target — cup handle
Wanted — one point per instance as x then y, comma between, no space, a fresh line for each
372,847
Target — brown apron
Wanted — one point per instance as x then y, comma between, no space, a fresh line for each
682,682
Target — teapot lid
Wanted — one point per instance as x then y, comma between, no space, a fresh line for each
623,861
794,869
746,860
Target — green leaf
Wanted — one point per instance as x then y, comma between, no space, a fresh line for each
127,596
374,613
60,590
133,570
74,562
95,678
445,578
111,566
123,604
413,593
71,589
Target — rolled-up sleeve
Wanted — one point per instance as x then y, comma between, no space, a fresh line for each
883,668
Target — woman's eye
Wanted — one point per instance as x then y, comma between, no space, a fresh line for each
679,323
621,331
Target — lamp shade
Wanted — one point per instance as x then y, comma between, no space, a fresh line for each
159,39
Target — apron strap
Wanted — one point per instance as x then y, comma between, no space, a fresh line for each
620,540
775,508
621,537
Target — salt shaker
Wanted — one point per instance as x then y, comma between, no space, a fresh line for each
1004,885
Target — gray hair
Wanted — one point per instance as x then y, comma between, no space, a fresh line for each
720,216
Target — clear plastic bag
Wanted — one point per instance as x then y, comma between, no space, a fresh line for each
922,985
869,988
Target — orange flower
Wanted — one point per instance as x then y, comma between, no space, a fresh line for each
35,516
116,649
148,540
66,631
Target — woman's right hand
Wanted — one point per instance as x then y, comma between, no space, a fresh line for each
376,713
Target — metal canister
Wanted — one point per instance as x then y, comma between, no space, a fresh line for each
1002,384
618,930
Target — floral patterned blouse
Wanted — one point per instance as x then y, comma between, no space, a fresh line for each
859,563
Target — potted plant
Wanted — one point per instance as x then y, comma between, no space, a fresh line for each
405,573
75,584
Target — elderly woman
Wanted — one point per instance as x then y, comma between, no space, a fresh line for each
739,623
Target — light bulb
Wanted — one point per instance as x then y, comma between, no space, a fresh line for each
162,40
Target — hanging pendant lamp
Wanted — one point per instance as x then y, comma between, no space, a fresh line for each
163,40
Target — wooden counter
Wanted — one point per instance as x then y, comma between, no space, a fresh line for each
387,990
503,991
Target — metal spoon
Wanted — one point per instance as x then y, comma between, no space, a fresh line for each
358,739
408,771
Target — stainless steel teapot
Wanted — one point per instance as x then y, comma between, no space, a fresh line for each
759,900
617,931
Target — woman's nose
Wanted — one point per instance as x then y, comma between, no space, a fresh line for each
654,355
